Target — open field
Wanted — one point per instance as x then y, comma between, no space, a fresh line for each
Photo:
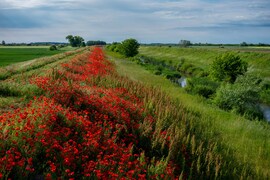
201,57
14,54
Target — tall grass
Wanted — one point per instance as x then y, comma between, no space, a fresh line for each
18,68
220,145
15,87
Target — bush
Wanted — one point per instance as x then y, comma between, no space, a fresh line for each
53,48
265,96
115,47
157,72
241,97
227,67
265,93
180,64
202,86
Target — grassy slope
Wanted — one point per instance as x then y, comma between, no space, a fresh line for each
249,140
19,82
10,55
258,59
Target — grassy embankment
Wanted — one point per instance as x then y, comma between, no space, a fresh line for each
15,54
242,145
14,78
201,57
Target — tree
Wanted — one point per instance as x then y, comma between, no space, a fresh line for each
129,47
243,44
83,44
184,43
75,41
3,43
227,67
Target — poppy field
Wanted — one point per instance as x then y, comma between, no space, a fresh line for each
88,122
78,129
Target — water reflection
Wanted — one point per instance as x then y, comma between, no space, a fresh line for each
182,81
266,111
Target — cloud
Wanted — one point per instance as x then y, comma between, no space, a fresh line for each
147,20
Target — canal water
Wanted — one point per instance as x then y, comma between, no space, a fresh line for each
266,111
264,108
182,82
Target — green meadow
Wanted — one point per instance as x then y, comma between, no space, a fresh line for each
199,58
15,54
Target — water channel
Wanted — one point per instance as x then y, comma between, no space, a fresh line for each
266,111
264,108
182,82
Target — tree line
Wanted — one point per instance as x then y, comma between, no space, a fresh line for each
78,41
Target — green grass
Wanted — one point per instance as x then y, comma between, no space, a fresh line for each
239,140
15,86
10,55
201,57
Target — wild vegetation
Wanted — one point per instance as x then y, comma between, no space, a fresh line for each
78,117
224,66
197,59
213,125
128,47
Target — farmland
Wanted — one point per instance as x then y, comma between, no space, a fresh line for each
84,115
14,54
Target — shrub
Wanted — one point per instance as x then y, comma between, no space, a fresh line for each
265,93
180,63
157,72
53,47
227,67
115,47
241,97
202,86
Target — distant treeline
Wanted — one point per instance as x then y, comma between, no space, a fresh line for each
98,42
36,44
92,43
205,44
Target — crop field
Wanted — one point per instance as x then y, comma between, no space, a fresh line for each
86,115
10,54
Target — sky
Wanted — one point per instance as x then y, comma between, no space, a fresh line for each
148,21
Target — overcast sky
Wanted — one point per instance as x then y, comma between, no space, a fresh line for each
165,21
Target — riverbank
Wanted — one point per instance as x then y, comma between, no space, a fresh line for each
238,137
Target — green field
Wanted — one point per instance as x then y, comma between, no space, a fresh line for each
201,57
14,54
